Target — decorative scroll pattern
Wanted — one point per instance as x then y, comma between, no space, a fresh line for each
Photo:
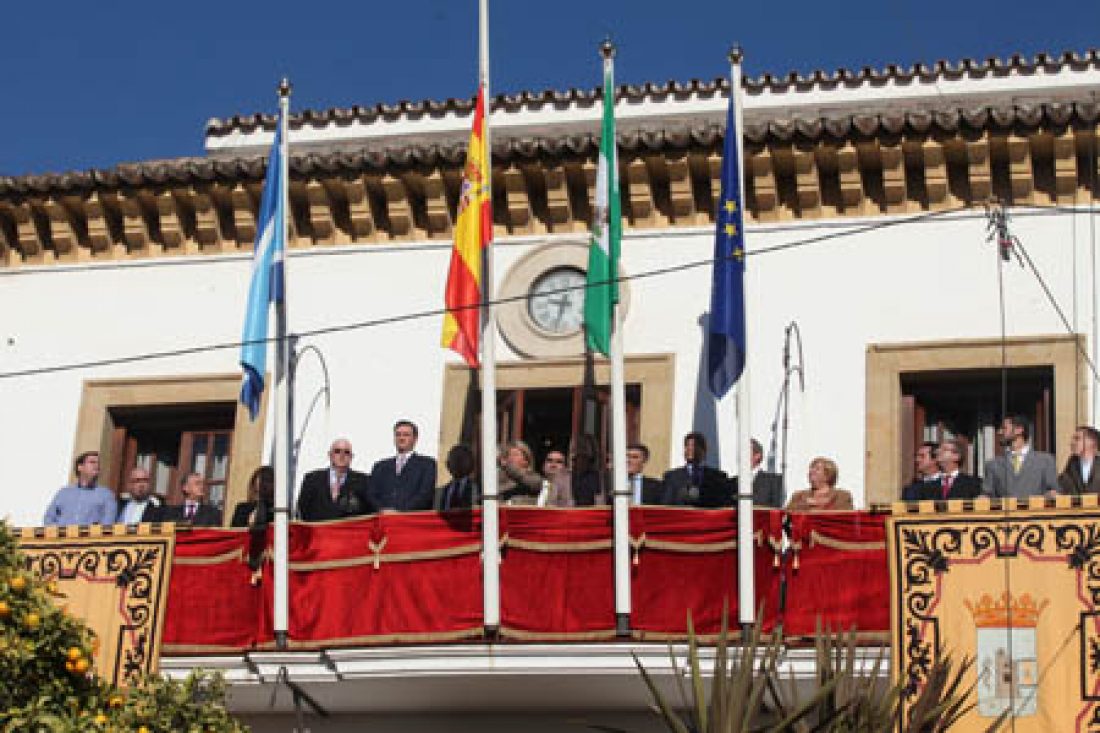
118,582
1022,584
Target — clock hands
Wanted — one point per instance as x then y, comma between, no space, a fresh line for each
561,303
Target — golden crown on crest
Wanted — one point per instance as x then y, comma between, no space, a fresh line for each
1004,612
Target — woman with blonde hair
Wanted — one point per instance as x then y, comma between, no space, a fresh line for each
822,494
518,483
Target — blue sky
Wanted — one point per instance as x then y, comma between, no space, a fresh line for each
93,84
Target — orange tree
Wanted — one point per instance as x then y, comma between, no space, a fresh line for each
47,684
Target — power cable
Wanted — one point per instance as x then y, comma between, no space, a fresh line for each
436,312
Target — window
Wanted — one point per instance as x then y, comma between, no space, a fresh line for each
966,404
954,386
172,425
170,441
546,403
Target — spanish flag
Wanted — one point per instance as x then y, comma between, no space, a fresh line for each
473,232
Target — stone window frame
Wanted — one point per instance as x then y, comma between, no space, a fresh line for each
654,372
95,427
887,362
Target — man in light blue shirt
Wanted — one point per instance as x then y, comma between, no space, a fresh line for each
83,503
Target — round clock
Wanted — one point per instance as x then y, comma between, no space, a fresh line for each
542,313
556,302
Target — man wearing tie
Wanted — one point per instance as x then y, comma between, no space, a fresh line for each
337,491
460,492
953,484
405,482
193,510
643,489
1020,471
696,484
1082,475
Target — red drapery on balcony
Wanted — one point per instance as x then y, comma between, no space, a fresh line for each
557,579
406,578
837,571
686,560
212,605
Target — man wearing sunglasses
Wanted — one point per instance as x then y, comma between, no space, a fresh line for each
337,491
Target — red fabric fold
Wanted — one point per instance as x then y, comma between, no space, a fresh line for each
395,600
212,605
847,587
557,593
667,583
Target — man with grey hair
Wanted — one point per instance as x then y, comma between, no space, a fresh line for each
194,510
337,491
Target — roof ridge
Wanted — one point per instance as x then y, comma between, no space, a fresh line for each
964,67
250,166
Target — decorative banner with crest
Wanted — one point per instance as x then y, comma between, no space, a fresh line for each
114,578
1015,587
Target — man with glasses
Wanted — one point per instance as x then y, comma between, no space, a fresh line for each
142,506
337,491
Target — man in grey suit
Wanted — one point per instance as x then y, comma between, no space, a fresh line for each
1020,471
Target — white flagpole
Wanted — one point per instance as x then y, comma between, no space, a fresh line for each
745,550
282,401
490,503
620,494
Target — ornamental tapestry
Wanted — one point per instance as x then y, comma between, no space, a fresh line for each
1013,586
115,579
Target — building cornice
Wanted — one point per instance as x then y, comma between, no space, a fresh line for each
898,161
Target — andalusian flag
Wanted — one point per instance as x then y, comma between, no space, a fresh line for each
473,232
601,291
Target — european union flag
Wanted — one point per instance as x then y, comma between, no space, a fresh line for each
267,277
726,347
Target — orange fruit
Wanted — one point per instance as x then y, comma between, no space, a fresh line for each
32,620
75,653
69,667
5,609
115,701
100,719
143,729
81,665
18,583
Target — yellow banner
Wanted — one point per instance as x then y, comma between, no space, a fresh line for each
116,580
1015,588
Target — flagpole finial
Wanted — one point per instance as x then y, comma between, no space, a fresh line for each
607,48
284,87
736,54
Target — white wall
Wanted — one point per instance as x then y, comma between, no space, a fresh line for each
918,281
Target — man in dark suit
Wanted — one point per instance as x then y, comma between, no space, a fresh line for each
193,510
460,492
643,489
142,506
337,491
695,483
927,479
952,483
767,487
405,482
1082,475
1020,471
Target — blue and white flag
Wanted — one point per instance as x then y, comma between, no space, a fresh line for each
726,345
267,277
